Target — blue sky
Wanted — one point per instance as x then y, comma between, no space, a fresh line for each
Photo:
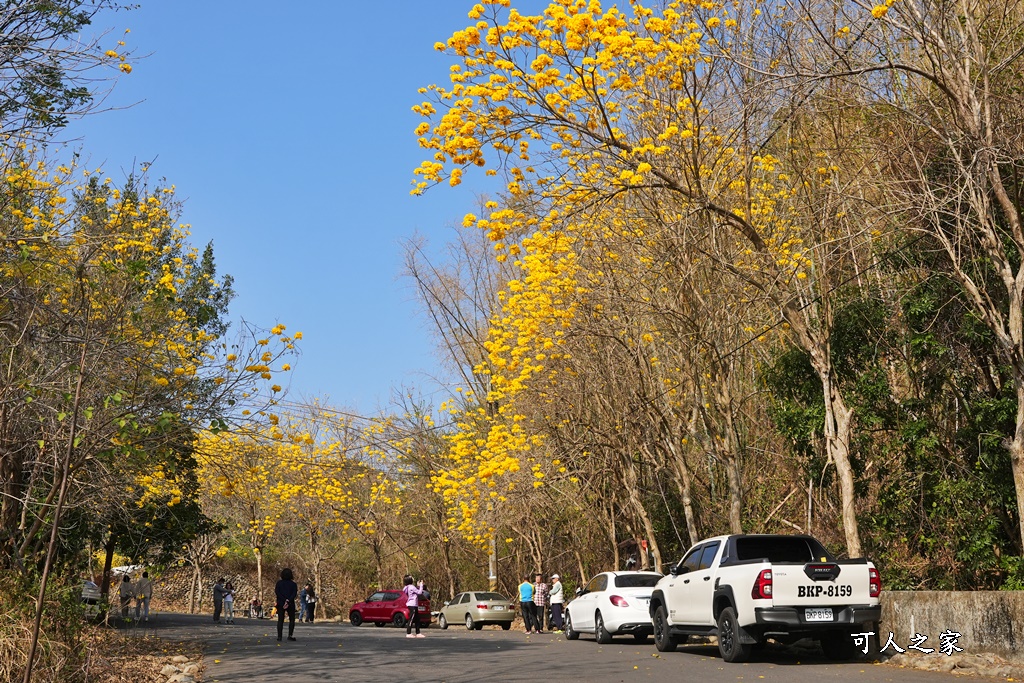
287,130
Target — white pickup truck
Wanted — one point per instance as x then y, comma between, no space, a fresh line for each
747,588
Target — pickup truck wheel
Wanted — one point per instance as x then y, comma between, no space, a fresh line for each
600,632
839,647
570,632
663,639
729,645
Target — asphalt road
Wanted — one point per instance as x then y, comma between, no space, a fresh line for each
326,651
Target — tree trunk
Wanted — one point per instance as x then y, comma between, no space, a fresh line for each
200,591
648,532
51,547
684,481
727,442
378,562
1016,448
838,428
193,590
108,562
732,472
259,572
536,548
686,490
582,568
838,422
318,580
613,534
447,559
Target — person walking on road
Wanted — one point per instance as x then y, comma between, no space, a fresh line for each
412,601
218,599
540,601
287,592
302,603
229,603
126,591
143,594
557,600
526,604
310,602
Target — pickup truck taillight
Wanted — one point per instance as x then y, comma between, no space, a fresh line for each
762,589
874,582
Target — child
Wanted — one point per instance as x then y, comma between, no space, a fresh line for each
229,603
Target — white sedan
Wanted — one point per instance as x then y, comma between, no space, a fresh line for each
613,603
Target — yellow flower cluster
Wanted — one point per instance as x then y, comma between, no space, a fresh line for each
593,115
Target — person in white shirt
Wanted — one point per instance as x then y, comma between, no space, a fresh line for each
557,599
143,594
229,603
126,592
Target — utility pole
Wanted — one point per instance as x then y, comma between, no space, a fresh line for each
492,556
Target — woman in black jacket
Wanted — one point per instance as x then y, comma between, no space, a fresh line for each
286,592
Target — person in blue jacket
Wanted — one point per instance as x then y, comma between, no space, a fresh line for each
526,604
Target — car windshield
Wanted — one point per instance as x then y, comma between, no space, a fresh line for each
779,549
491,596
636,580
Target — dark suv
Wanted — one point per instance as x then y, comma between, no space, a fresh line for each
384,607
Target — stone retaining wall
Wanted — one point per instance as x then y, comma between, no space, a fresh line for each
987,621
171,590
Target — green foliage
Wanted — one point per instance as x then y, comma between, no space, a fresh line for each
939,482
48,73
1014,574
796,406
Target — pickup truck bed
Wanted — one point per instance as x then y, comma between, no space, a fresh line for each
747,588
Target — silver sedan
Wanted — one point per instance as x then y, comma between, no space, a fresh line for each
476,609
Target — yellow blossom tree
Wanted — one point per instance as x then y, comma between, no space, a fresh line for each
581,105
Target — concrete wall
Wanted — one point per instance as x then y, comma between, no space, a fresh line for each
989,621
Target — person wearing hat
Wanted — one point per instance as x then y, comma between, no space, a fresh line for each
557,598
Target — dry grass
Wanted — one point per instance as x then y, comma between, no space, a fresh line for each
56,660
113,657
100,655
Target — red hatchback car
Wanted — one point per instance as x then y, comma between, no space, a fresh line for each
387,607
